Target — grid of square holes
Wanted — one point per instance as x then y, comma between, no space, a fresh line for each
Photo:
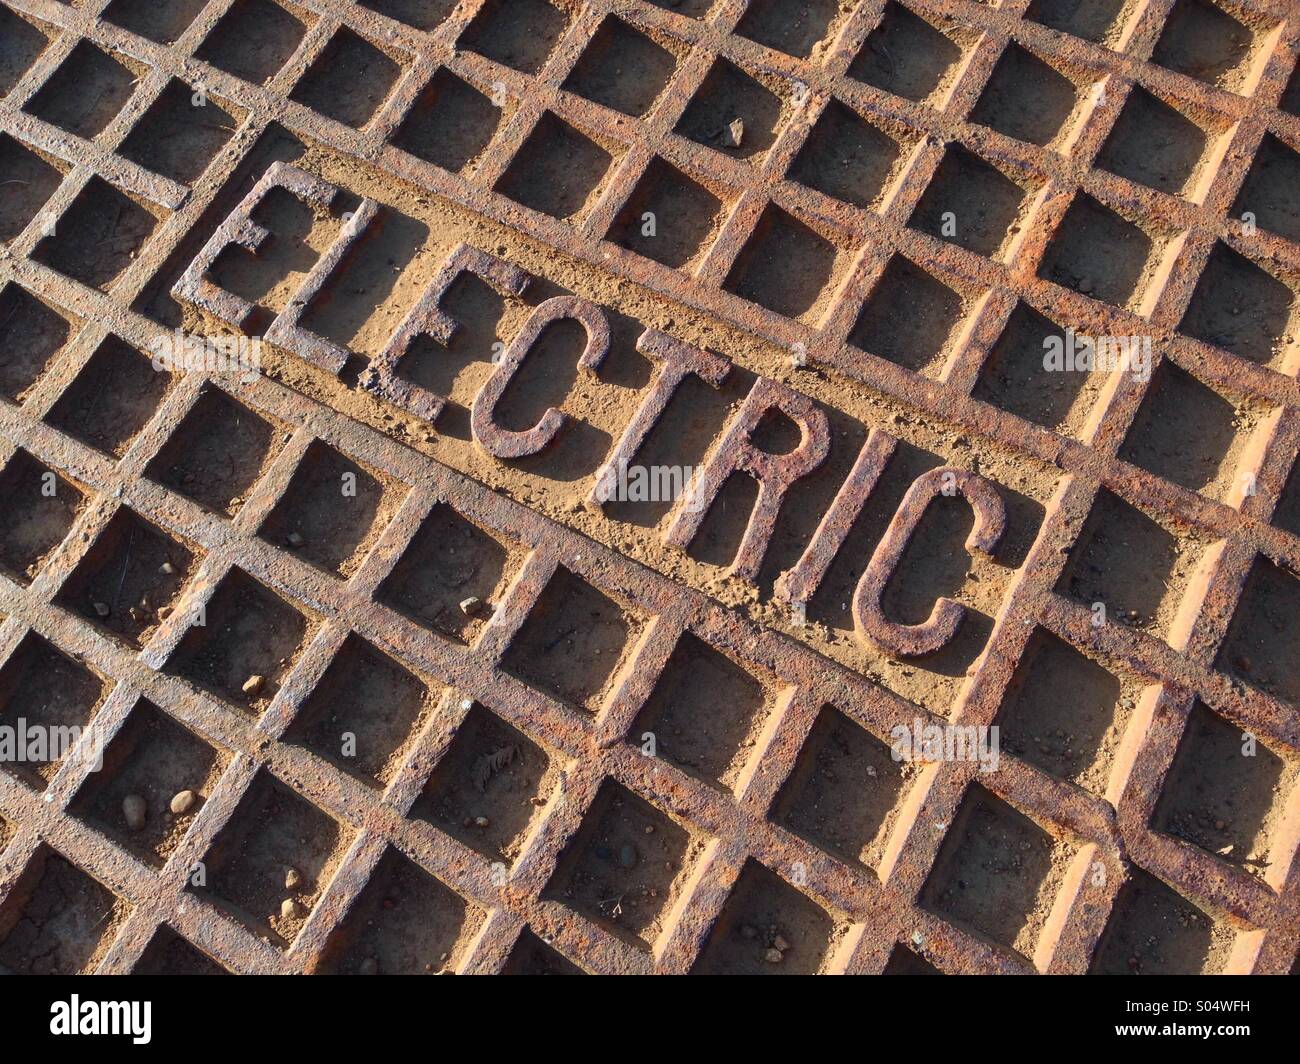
851,141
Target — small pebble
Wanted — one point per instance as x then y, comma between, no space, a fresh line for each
292,879
183,801
295,539
780,943
471,606
736,130
482,822
253,684
290,908
773,956
101,608
164,612
134,809
167,568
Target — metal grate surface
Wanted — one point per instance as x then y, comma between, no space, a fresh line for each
914,195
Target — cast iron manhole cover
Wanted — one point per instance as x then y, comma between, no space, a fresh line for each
625,486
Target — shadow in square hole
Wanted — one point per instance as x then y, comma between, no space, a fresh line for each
98,236
1241,307
1101,254
1271,191
1263,642
51,692
843,790
970,203
767,927
272,832
689,8
422,14
573,642
1154,144
111,399
519,34
338,720
1154,931
217,453
1287,514
21,44
705,713
1290,101
162,23
558,171
904,962
85,94
130,578
907,56
488,786
449,562
153,758
622,68
786,267
910,318
1138,568
332,512
41,507
450,124
1093,20
253,40
1065,713
1189,433
998,872
1026,98
28,180
31,334
169,954
242,645
57,920
176,137
1203,41
1225,793
349,81
790,28
847,157
405,922
734,112
531,956
1014,378
626,866
687,217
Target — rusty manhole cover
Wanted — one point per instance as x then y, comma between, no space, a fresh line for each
626,486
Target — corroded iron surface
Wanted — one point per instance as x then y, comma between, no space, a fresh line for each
649,419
